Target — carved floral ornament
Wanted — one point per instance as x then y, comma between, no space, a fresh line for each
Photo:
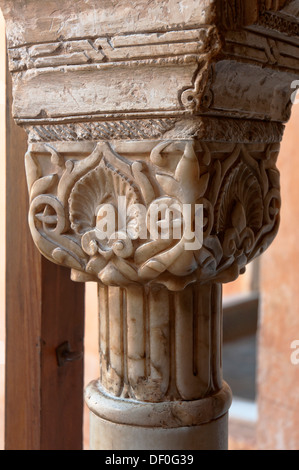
237,185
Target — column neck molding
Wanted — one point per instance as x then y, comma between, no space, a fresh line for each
208,129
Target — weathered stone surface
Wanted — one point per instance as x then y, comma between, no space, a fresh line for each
122,59
136,89
32,22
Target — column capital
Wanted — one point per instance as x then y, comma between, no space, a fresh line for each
153,193
181,104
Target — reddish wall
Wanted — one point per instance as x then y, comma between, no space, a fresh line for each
278,378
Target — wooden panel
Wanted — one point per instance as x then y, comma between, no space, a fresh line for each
62,319
44,308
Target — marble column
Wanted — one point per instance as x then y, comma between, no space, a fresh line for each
130,106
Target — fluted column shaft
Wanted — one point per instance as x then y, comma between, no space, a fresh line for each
160,354
157,345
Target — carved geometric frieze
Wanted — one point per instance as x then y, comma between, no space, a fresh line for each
156,73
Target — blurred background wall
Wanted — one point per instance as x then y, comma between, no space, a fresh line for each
278,374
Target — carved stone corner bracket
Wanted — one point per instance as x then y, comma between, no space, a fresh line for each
136,139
